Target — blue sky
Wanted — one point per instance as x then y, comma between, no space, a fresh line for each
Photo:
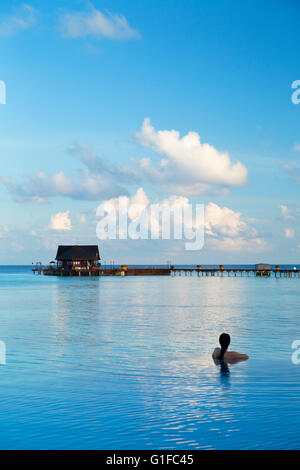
81,79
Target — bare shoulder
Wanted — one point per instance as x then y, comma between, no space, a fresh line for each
216,353
232,355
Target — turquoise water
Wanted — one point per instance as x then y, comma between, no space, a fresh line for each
125,363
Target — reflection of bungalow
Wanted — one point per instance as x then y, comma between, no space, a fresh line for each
78,257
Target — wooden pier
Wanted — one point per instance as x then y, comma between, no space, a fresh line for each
84,260
167,271
231,272
96,272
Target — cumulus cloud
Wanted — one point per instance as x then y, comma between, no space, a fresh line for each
21,19
289,214
61,221
289,233
224,228
227,231
97,180
224,221
98,165
189,166
97,24
286,213
239,244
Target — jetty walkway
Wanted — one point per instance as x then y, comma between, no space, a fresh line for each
167,271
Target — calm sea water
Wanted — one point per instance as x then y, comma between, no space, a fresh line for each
125,363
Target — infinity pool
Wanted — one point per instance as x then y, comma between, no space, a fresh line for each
125,363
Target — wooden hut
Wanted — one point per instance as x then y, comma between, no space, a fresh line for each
78,257
262,269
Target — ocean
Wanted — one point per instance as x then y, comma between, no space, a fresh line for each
125,362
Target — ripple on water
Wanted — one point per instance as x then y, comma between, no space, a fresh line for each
126,363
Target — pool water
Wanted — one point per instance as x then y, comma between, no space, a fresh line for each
125,363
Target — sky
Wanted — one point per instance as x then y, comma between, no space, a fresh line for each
154,102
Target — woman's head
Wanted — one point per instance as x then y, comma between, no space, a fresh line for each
224,340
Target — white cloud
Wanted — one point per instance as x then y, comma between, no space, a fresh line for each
289,233
98,179
190,167
134,205
22,19
61,221
38,187
86,155
224,221
290,214
89,185
225,229
286,213
94,23
239,244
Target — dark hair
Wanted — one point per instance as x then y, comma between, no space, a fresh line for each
224,341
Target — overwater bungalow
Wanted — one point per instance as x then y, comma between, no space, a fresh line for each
74,260
263,269
78,257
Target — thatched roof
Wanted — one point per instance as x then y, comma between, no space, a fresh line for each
77,253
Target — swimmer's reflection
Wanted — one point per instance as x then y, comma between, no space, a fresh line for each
224,367
224,371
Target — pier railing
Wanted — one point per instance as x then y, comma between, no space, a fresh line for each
124,270
234,272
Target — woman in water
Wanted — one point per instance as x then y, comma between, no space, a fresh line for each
227,356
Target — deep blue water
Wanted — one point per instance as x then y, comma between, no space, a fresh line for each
125,363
